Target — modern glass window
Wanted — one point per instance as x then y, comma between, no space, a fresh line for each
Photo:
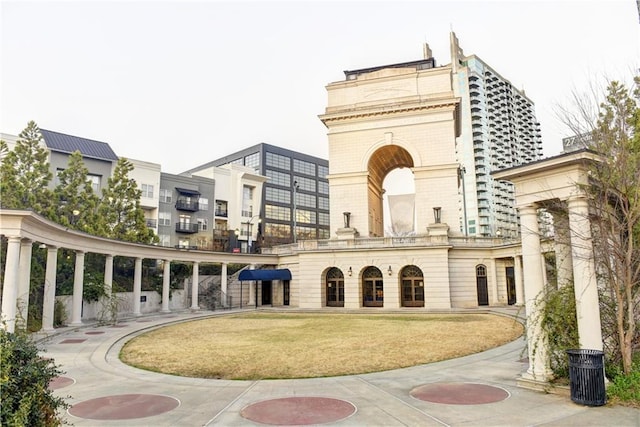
277,195
323,187
277,212
165,195
306,184
305,216
306,200
323,218
279,178
282,231
277,161
147,190
323,233
305,233
303,167
253,161
203,224
323,171
323,203
164,218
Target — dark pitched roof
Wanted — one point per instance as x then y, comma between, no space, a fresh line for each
68,144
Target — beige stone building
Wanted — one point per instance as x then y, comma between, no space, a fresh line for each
379,119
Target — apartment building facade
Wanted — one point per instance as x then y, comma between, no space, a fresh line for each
295,195
499,130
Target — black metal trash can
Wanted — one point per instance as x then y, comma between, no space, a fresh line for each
586,375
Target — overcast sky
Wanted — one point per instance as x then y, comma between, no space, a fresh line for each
181,83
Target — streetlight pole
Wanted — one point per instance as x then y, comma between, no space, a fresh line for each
295,209
462,170
249,224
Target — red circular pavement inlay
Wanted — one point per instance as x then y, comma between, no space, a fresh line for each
459,393
124,406
289,411
60,382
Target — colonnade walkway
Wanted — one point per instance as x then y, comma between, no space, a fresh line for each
476,390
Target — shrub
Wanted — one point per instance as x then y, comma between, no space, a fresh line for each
24,384
625,389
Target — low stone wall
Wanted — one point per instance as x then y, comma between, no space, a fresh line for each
151,302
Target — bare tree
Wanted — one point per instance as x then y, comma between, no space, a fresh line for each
612,125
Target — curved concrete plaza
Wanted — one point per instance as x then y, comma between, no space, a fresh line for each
476,390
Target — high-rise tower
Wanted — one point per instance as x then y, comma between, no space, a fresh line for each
498,130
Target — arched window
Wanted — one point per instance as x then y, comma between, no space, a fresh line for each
372,287
335,287
412,287
481,285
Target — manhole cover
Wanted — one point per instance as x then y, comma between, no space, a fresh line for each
124,406
459,393
289,411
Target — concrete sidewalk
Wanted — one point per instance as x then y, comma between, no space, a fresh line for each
89,357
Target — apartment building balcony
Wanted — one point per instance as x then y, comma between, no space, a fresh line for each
151,223
219,233
187,227
187,205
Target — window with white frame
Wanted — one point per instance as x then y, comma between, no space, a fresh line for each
165,195
203,204
203,224
164,240
247,201
164,218
147,190
95,182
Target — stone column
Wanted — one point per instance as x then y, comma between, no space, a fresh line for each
108,275
166,284
493,282
564,261
532,267
584,275
10,287
517,271
223,284
49,301
78,284
194,286
137,287
252,290
25,280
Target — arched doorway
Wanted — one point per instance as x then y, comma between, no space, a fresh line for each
335,287
481,285
372,287
412,287
383,161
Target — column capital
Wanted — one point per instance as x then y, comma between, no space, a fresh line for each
530,209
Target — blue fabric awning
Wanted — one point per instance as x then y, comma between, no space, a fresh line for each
282,274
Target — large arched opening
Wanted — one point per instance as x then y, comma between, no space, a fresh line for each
381,163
